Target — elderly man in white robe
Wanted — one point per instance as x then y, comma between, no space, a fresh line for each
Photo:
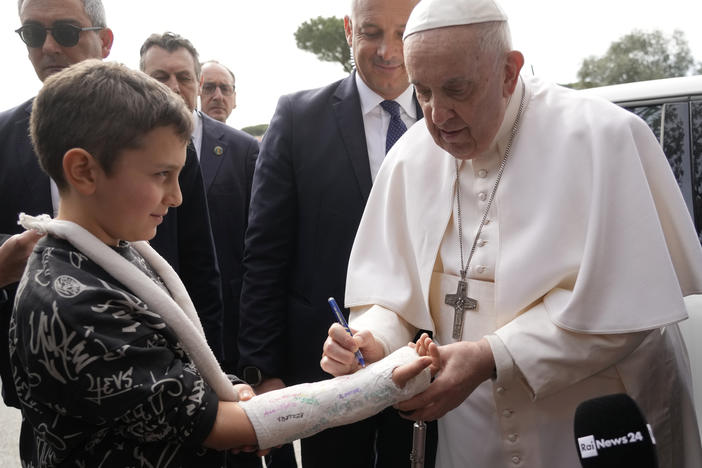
541,236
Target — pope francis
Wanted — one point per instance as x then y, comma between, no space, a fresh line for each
542,238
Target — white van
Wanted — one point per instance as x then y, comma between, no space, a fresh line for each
673,109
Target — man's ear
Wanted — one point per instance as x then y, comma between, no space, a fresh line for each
106,39
348,30
81,170
513,65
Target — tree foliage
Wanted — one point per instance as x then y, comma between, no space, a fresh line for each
638,56
256,130
325,38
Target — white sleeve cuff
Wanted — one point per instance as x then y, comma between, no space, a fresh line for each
506,371
391,330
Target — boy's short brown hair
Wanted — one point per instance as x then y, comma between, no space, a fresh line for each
103,108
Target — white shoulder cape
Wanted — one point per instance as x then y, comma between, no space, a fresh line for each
591,222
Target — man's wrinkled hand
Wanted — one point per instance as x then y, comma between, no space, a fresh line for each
463,366
338,357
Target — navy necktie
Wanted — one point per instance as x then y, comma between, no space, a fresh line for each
397,127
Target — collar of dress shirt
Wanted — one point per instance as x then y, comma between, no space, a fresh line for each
371,100
197,132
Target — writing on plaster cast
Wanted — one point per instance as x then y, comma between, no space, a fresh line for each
349,393
280,408
293,416
307,399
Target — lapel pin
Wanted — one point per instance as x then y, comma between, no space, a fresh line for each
218,150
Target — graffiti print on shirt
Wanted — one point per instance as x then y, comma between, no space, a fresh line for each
102,379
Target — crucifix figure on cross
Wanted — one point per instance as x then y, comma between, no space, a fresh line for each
460,303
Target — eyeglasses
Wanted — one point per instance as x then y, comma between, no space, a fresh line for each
65,35
210,88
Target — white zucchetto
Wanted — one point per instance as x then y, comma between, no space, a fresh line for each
433,14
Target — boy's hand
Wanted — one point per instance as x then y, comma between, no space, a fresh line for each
429,357
403,374
425,346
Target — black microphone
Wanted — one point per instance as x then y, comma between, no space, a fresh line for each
611,432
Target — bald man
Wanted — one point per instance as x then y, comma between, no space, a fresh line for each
217,90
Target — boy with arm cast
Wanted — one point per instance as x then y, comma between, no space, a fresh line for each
109,359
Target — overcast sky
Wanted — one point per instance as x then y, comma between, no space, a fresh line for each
255,39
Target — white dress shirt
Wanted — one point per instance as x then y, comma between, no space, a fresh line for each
376,120
197,132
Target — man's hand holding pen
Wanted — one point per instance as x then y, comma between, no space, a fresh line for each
342,341
339,350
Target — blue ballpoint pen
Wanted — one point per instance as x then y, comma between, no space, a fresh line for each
340,318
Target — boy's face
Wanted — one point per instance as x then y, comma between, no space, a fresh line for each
131,202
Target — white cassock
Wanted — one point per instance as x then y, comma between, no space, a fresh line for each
579,274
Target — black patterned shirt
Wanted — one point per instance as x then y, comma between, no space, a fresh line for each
102,380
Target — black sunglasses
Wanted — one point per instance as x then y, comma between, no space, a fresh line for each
65,35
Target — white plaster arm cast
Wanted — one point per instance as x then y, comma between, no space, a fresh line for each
302,410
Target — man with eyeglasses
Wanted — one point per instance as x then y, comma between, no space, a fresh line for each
58,34
227,157
217,90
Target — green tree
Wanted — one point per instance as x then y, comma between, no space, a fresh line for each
325,38
256,130
638,56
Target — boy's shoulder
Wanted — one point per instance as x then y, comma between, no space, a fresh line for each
62,283
56,270
51,250
52,255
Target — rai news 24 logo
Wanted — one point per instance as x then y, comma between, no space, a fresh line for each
589,446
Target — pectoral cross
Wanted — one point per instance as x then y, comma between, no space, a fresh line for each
460,303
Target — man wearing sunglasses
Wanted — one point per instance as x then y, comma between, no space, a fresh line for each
58,34
61,33
217,90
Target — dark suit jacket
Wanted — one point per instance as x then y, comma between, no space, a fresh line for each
227,160
310,187
184,238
